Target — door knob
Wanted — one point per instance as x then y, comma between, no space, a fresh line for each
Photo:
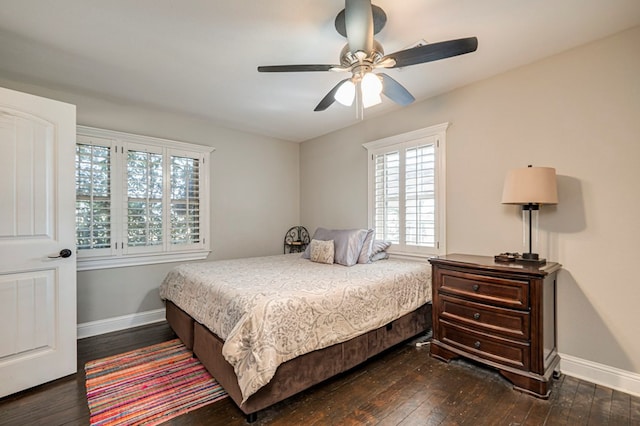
63,253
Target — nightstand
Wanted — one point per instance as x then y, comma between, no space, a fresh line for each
499,314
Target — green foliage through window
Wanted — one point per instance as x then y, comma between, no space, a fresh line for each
93,196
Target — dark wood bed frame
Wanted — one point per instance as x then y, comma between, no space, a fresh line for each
302,372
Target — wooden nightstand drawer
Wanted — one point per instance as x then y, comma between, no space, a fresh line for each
507,322
493,348
496,291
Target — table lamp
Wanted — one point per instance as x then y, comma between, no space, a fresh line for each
530,187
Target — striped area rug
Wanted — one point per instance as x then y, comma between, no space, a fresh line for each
148,386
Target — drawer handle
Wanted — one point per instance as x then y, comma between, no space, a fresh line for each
475,287
476,316
477,345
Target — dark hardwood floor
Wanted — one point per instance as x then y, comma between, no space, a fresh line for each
403,386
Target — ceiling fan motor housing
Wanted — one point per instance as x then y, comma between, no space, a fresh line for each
379,21
349,58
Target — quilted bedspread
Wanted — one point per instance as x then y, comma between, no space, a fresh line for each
271,309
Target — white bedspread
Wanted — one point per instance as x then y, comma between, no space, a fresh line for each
269,310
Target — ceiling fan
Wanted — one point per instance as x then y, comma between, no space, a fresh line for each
358,22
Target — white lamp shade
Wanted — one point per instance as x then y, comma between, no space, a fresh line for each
346,92
369,100
530,185
371,87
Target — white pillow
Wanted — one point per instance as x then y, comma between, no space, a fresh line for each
321,251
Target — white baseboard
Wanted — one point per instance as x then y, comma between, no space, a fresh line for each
614,378
108,325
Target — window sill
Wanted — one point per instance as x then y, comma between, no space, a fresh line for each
89,264
412,256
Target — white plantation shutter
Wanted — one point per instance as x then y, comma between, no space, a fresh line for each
407,191
185,200
420,201
387,196
144,205
139,200
93,195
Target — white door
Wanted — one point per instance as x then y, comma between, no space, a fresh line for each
37,220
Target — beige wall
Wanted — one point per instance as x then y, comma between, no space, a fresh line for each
578,112
254,190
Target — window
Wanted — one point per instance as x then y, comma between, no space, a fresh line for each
139,200
407,190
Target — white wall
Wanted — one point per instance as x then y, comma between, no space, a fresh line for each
254,196
578,112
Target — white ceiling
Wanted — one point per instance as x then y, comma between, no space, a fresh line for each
199,57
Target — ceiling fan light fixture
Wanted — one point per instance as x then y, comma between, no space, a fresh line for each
346,93
371,87
369,101
371,84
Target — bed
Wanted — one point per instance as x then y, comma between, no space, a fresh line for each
269,327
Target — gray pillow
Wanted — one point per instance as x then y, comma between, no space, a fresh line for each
365,253
379,256
347,244
379,246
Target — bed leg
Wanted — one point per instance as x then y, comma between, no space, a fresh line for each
252,417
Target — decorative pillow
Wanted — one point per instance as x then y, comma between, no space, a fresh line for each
321,251
379,256
379,246
347,244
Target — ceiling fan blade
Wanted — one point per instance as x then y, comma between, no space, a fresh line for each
296,68
395,91
433,52
359,25
330,97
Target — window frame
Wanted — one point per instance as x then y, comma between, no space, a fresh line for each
120,254
434,134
